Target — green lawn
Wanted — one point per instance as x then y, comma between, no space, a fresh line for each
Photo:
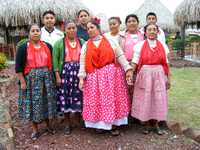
184,96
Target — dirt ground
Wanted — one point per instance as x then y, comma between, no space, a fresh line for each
130,138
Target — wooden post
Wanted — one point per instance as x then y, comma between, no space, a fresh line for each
7,35
194,50
198,51
183,38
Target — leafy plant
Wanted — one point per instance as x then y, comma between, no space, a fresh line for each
3,60
178,45
169,39
193,38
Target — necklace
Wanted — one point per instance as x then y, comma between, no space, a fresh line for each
72,44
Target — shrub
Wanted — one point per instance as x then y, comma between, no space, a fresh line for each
3,60
169,39
178,45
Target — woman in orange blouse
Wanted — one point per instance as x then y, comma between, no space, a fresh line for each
36,91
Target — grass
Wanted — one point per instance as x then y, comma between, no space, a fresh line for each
184,96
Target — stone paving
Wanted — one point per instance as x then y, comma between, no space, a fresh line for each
6,133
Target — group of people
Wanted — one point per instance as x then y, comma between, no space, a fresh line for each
103,78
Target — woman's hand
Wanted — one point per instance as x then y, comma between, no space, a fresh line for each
23,85
58,80
22,80
129,77
168,84
81,83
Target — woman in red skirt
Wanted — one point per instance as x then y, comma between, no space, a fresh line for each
105,98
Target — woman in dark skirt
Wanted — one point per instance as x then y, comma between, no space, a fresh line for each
66,53
36,91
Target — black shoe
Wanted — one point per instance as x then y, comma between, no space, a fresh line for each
35,136
146,130
50,130
67,130
99,131
158,131
115,132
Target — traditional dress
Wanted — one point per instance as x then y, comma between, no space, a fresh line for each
105,99
66,61
51,37
82,33
37,103
129,41
150,92
119,38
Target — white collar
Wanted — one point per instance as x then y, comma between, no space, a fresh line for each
48,31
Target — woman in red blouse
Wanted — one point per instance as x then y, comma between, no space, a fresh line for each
36,91
150,92
66,54
105,99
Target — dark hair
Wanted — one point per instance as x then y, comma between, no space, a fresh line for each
115,18
82,10
133,16
145,27
151,14
94,22
33,24
48,12
66,22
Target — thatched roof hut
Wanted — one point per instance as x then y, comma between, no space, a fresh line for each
17,15
24,12
188,12
164,16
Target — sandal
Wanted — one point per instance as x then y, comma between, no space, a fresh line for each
146,130
50,130
158,131
115,132
99,131
67,130
35,136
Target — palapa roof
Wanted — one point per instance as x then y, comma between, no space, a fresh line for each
164,16
187,12
24,12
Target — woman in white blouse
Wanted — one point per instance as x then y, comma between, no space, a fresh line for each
150,102
105,99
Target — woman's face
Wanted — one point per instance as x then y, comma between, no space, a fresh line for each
132,24
34,33
71,30
49,21
83,18
151,32
114,25
92,29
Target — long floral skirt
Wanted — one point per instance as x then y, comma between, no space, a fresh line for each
69,95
